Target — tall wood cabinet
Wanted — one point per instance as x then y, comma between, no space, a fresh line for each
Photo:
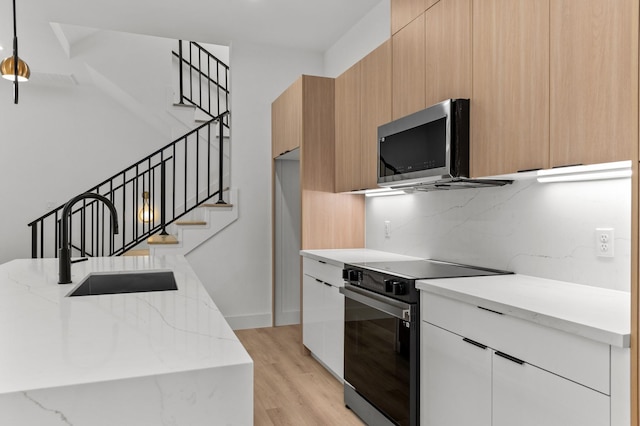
510,101
363,102
327,219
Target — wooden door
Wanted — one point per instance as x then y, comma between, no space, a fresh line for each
448,51
375,101
348,147
510,102
594,81
405,11
409,69
286,120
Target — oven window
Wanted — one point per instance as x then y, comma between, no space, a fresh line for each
377,349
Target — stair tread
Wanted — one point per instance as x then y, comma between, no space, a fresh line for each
184,105
215,205
191,222
137,252
162,239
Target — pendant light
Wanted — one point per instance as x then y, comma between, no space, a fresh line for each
145,214
13,68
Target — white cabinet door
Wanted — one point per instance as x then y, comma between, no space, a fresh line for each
313,302
525,395
455,380
334,330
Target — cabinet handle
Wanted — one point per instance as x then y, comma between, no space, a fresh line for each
327,284
320,281
509,357
474,343
490,310
529,170
322,261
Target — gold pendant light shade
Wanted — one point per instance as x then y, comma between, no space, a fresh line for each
7,68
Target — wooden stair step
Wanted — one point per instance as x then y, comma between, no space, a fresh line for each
190,222
215,205
162,239
137,252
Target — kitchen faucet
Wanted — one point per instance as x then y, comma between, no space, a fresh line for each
64,253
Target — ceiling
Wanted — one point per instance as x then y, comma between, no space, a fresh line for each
304,24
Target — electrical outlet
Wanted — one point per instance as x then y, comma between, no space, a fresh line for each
604,242
387,229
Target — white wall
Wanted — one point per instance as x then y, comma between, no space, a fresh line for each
370,32
235,266
544,230
63,138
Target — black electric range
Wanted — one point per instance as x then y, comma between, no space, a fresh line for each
396,279
382,339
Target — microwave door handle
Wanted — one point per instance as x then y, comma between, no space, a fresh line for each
389,306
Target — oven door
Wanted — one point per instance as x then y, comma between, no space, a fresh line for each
381,355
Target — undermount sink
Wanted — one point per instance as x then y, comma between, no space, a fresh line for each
125,282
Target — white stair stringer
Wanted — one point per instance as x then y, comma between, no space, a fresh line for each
190,237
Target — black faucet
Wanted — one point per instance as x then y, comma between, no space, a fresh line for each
64,253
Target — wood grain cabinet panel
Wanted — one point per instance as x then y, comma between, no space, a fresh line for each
348,130
510,102
448,51
409,68
594,81
375,98
363,102
405,11
286,120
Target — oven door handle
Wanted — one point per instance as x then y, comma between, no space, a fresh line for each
387,305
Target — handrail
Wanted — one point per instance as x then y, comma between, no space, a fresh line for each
186,174
198,96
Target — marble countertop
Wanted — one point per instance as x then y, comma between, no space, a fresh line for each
339,257
596,313
50,340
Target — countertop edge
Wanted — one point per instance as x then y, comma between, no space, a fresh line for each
609,337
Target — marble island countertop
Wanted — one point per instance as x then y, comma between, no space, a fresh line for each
164,343
596,313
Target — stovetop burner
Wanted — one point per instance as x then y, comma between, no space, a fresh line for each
397,279
423,269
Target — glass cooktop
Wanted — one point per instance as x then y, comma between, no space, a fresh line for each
423,269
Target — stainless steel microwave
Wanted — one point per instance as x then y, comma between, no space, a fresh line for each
427,146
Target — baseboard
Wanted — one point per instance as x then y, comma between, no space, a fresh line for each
243,322
287,318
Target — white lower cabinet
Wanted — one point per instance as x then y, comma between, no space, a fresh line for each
457,375
466,379
323,320
525,395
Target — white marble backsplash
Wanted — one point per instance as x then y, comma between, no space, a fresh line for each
543,230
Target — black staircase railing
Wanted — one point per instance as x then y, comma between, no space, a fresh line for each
204,79
178,177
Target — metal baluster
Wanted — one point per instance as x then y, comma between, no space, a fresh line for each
221,159
180,70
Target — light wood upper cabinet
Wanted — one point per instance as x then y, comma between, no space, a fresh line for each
510,102
375,109
405,11
328,220
409,68
594,81
348,130
448,51
363,102
286,120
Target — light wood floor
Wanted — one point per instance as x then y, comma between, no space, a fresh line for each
291,388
